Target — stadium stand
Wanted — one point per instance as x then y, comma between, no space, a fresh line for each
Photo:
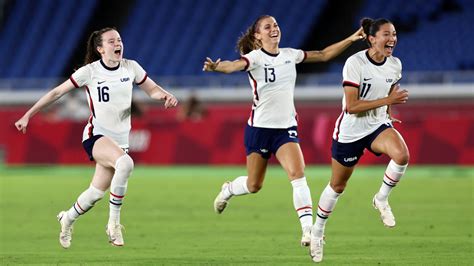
172,42
41,32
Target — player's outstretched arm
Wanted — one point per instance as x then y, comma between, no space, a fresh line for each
335,49
224,66
158,93
44,101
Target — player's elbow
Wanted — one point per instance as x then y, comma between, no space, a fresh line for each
351,109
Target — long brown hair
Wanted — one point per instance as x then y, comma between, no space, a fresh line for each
247,42
94,41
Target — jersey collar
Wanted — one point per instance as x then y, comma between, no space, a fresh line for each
268,53
372,61
109,68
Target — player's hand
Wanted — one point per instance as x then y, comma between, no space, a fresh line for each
398,96
395,120
22,124
210,65
170,101
358,35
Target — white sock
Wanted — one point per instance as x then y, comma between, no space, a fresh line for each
118,187
236,188
302,202
393,174
84,202
326,205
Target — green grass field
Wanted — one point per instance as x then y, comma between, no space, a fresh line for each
169,219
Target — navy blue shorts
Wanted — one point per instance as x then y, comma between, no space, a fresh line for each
88,144
348,154
266,141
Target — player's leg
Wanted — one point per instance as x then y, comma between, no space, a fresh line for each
390,142
242,185
344,158
327,203
84,203
291,159
108,154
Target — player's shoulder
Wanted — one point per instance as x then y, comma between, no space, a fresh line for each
394,60
359,58
289,50
128,62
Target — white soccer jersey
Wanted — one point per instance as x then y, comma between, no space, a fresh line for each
272,78
109,93
374,81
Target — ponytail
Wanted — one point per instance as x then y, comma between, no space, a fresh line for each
94,41
371,26
247,42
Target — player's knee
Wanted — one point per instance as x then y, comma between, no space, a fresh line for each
125,164
401,157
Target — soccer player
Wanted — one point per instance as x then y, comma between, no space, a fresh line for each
272,126
371,85
108,81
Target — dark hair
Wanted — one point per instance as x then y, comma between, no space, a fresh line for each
94,41
247,42
371,26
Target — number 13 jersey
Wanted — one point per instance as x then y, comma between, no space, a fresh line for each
272,78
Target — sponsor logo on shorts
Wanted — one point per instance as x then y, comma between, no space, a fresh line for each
263,150
351,159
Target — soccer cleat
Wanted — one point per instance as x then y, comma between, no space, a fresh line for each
385,212
306,238
65,235
114,232
316,248
220,203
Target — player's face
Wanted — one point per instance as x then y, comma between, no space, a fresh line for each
385,39
268,31
112,47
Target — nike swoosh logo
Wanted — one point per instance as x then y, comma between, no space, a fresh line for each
367,79
100,82
266,64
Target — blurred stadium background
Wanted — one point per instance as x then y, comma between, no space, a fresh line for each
168,212
43,41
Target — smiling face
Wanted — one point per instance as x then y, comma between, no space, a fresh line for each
111,49
268,32
385,40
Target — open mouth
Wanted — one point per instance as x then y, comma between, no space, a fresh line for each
389,47
118,52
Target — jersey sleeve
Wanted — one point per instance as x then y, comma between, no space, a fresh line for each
252,60
351,73
140,73
81,76
399,73
300,56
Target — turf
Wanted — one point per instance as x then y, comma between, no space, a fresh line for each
169,219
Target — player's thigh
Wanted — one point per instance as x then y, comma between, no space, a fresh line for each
391,142
340,174
106,152
256,169
291,159
102,177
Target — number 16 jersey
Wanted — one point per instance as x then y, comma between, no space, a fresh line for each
109,94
